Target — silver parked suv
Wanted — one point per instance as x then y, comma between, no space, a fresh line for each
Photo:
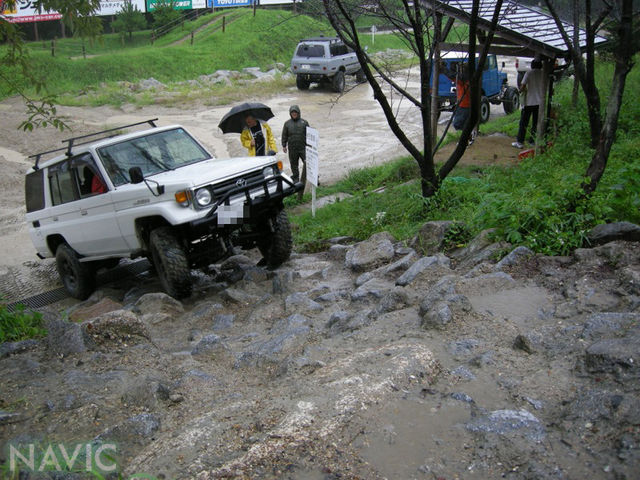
155,193
324,60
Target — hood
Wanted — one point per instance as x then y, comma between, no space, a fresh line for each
294,108
210,171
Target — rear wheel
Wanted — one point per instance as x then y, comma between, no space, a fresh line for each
276,247
171,263
301,83
511,101
337,82
485,110
79,279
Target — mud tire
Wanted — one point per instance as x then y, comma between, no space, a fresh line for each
276,248
171,263
511,101
301,83
485,110
337,82
79,279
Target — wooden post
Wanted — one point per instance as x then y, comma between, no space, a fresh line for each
547,68
255,3
35,31
84,52
224,18
53,47
191,37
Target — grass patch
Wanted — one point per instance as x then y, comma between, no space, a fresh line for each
20,325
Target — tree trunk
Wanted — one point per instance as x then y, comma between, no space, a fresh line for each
576,41
624,57
435,85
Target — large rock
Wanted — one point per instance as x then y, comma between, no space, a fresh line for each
509,423
138,429
371,253
269,352
420,266
374,288
300,302
64,338
343,322
514,257
11,348
615,355
118,328
211,347
609,324
432,236
153,303
608,232
204,311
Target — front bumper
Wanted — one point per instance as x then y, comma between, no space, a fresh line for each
257,204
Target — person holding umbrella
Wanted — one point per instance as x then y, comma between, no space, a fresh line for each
257,137
250,121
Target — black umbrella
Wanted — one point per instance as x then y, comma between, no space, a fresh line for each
233,121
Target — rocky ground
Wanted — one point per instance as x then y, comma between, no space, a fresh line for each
370,360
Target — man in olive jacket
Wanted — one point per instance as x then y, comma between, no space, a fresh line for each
294,139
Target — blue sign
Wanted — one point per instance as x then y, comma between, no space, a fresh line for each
228,3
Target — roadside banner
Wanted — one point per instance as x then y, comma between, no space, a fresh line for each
312,164
179,4
115,6
228,3
23,11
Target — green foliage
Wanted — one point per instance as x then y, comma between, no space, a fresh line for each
19,325
164,13
129,19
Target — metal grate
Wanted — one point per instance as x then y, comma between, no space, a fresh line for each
47,298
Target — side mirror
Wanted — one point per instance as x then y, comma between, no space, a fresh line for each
135,173
366,48
503,64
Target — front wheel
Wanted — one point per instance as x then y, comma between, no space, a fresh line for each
301,83
337,82
485,110
276,247
78,278
171,263
511,101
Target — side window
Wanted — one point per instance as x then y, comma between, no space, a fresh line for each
89,180
63,183
34,191
333,49
338,49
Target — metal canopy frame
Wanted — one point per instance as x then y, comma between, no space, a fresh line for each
521,30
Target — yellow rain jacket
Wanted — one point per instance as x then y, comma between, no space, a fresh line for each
245,138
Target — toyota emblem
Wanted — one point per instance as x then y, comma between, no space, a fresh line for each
240,182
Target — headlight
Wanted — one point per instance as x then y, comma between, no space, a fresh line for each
268,172
203,197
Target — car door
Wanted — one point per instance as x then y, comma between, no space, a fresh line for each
102,235
490,77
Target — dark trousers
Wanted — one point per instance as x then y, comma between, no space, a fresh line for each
295,155
525,116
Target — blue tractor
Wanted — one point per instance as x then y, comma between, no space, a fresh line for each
495,88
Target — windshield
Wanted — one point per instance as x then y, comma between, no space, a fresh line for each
306,50
153,153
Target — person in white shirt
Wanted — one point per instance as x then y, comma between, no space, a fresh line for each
533,86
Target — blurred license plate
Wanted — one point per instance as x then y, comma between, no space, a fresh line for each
231,214
305,67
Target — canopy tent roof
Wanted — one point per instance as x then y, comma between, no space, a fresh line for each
521,30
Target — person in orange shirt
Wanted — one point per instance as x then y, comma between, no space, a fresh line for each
463,96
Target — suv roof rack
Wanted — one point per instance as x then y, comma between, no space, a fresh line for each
321,39
71,141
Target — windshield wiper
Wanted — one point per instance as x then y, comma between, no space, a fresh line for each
156,162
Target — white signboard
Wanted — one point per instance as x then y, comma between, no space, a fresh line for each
115,6
23,11
312,156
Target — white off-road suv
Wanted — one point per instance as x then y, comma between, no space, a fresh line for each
158,194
